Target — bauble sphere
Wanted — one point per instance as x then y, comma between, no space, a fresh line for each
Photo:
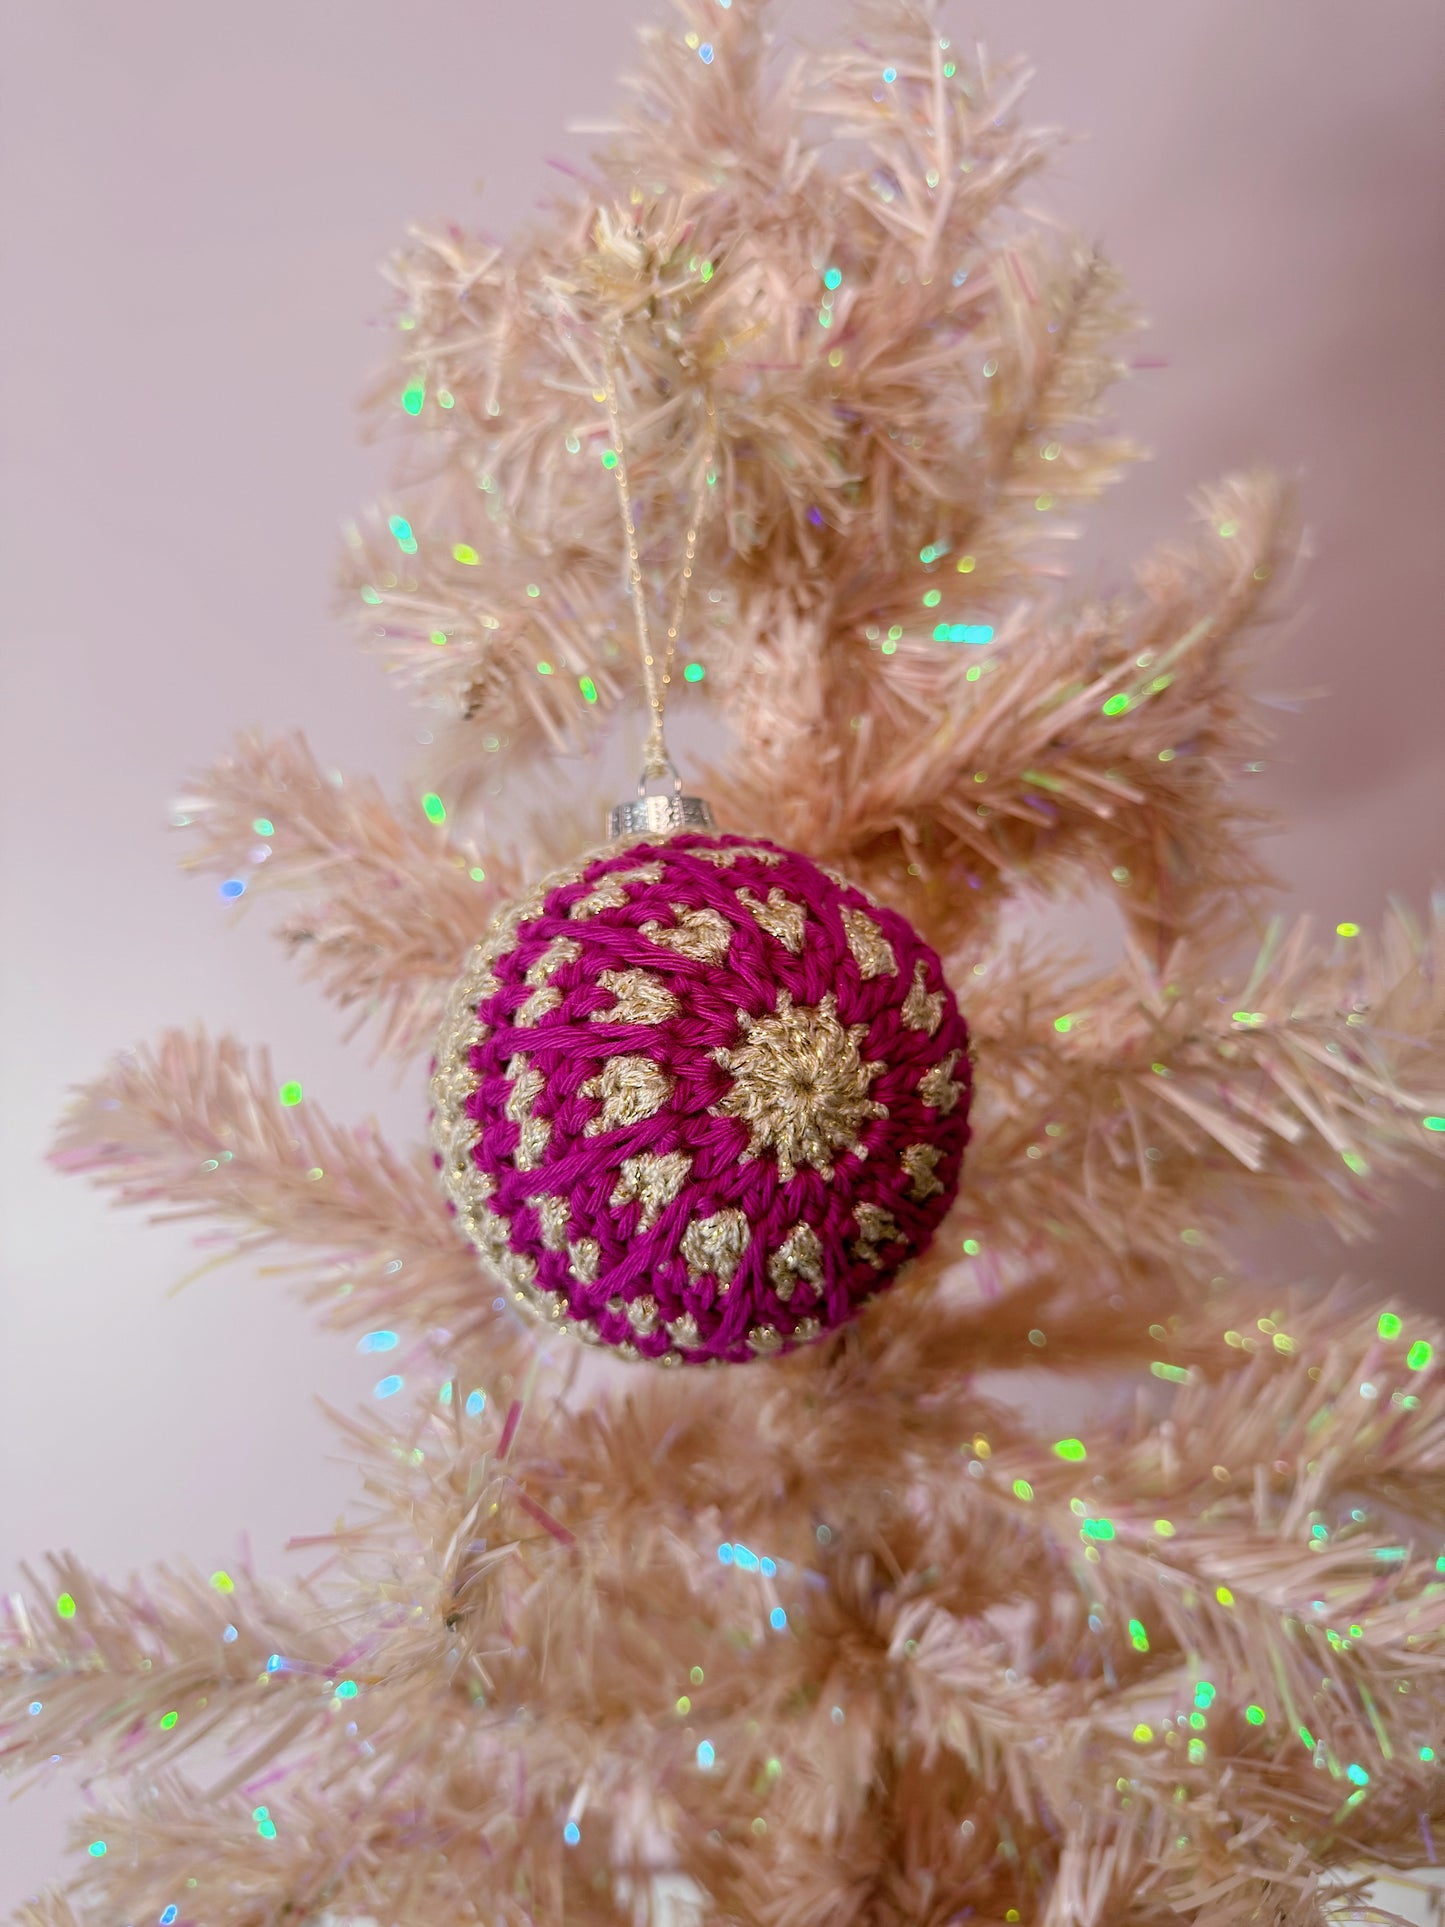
699,1099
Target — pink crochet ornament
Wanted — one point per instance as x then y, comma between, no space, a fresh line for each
698,1099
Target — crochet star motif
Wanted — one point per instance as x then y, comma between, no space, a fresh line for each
800,1084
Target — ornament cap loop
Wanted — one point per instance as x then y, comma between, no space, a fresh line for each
657,814
662,771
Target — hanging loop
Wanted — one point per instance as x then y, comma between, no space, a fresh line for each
665,773
674,810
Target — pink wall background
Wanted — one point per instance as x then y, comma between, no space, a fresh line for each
194,200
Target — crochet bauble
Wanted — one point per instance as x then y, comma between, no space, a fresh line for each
698,1099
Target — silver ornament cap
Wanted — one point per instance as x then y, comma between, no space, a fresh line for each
656,811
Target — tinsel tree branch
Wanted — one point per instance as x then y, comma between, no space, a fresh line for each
1149,1099
964,1612
892,367
395,907
1106,742
111,1672
193,1128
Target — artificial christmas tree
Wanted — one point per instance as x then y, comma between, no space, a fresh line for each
840,1636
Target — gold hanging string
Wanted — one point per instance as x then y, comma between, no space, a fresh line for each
655,760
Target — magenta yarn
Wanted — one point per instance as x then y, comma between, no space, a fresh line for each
700,1099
